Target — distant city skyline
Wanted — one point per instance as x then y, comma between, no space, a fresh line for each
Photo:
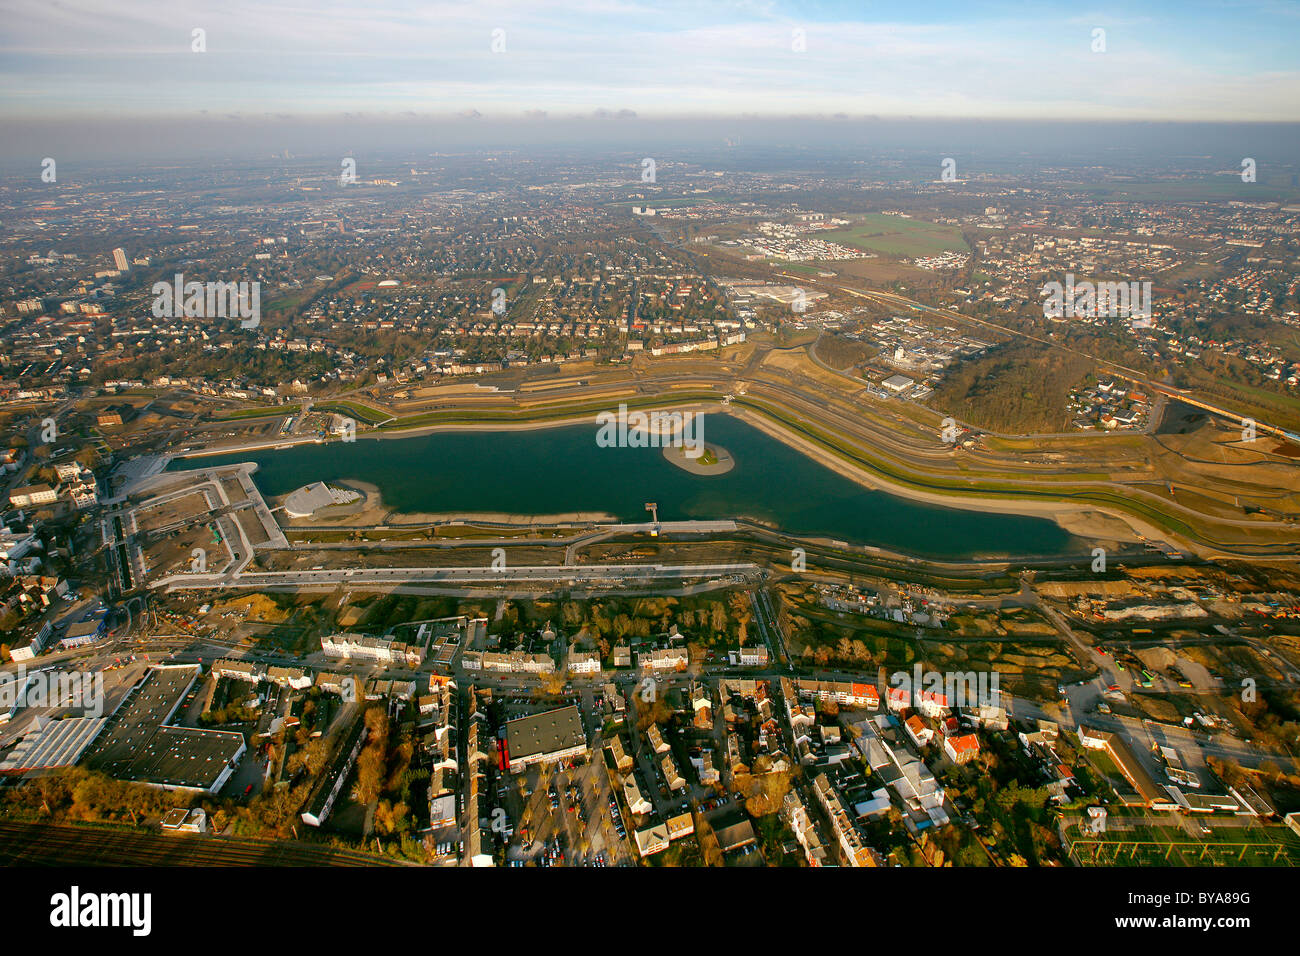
561,59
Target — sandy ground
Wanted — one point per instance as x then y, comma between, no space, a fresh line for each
370,511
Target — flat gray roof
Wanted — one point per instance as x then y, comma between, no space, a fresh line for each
138,745
545,733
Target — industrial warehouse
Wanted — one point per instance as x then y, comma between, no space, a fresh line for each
139,744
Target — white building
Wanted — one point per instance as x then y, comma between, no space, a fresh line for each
668,659
33,495
349,646
584,662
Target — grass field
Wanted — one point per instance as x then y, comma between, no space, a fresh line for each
1173,846
362,413
1199,190
266,412
796,267
896,236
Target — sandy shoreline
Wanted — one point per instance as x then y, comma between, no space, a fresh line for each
372,512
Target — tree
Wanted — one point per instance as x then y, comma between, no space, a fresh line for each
553,683
372,764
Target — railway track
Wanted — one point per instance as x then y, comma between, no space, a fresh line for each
28,844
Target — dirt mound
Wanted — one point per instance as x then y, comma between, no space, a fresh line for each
256,608
1069,589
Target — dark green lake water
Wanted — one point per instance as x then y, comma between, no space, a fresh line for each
562,470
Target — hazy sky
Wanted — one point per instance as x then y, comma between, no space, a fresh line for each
1187,60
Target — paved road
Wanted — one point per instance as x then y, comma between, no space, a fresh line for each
572,574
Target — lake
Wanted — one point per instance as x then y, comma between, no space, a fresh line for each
562,470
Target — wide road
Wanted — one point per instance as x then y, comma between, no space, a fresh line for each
578,574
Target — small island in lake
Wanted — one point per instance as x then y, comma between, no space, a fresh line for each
714,460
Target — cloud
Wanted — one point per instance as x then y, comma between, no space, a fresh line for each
683,56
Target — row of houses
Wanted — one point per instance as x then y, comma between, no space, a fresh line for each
328,682
439,732
478,802
512,662
843,825
384,650
805,831
254,672
325,792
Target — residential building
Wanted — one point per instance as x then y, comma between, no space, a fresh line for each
666,659
623,761
961,749
32,496
584,662
384,650
656,739
682,825
330,783
636,801
917,731
672,776
652,840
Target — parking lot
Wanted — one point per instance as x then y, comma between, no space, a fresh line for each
563,808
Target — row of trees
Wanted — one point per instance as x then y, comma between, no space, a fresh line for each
384,774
